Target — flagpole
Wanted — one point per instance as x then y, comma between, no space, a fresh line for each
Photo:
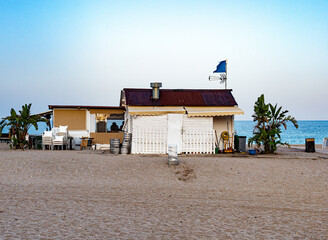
226,74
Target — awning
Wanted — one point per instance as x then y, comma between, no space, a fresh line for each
44,114
213,111
153,110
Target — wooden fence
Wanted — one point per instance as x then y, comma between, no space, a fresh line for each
149,141
154,141
198,141
104,138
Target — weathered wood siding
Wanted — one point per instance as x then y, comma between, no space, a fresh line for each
104,138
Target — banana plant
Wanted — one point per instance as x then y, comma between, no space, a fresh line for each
269,120
19,125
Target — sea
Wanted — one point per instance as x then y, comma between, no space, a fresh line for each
307,129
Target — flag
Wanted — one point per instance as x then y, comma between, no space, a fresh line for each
222,67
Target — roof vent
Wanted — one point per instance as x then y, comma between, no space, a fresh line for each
155,86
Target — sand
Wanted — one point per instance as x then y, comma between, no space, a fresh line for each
95,195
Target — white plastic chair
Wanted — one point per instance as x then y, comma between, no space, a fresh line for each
62,131
63,128
58,141
46,139
54,131
59,135
64,135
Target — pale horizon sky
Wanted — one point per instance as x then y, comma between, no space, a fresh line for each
86,52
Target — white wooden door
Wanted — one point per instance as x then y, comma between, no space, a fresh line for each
174,130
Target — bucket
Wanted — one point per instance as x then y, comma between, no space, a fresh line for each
173,154
252,151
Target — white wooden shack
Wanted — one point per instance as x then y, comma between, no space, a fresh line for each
189,118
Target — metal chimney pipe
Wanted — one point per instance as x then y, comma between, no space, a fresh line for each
155,86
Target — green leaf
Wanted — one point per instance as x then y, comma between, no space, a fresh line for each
269,119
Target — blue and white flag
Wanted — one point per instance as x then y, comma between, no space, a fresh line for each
222,67
220,73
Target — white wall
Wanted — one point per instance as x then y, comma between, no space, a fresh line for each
221,124
151,122
88,120
195,123
92,123
160,122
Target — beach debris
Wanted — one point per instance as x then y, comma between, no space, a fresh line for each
185,174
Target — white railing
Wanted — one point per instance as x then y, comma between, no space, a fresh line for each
198,141
154,141
148,141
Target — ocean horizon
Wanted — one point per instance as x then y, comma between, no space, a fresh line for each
317,129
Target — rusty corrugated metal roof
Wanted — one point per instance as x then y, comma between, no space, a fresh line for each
180,97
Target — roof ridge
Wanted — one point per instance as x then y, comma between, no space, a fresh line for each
176,89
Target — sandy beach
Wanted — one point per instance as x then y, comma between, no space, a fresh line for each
96,195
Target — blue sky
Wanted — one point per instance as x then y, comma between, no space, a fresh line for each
85,52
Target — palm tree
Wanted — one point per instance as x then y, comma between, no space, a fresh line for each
20,124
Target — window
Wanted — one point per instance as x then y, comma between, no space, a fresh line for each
109,122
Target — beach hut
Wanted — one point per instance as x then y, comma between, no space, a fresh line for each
188,118
90,121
